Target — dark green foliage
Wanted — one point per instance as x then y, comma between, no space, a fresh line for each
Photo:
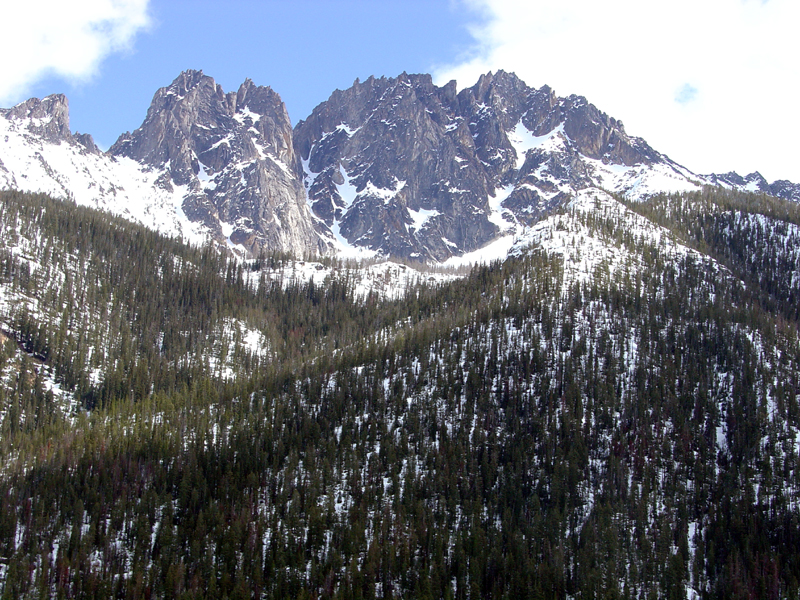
504,436
753,235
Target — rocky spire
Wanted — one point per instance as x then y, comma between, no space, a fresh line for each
414,170
233,153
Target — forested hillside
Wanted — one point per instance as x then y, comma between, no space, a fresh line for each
613,412
105,309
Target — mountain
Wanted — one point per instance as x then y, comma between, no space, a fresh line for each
204,165
391,167
39,154
409,169
93,300
611,409
610,412
755,182
235,156
48,118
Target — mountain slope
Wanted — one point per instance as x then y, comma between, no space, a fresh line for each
755,182
614,411
245,188
234,153
39,154
406,168
99,305
391,167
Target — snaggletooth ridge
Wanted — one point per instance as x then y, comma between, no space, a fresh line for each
390,167
234,151
484,163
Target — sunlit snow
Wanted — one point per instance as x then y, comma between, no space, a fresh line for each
500,216
421,217
641,181
523,140
118,185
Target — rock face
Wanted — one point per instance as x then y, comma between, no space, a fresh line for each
48,120
48,117
755,182
410,169
234,156
397,166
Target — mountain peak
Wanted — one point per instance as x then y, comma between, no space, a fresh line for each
48,117
188,80
261,100
234,154
406,168
755,182
398,166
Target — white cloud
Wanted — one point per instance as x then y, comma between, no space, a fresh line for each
687,94
712,83
66,39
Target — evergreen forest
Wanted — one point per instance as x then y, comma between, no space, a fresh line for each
177,423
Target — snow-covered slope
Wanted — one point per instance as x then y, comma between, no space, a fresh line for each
595,233
755,182
388,280
553,164
63,167
388,169
204,166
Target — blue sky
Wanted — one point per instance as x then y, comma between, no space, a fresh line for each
303,49
711,83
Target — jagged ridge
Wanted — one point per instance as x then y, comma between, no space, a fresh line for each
235,154
398,167
407,168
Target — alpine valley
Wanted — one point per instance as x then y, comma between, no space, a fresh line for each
428,343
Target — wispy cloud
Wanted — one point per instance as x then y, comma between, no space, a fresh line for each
66,39
633,60
686,94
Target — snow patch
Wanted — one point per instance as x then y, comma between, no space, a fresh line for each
245,113
384,194
500,216
522,140
421,217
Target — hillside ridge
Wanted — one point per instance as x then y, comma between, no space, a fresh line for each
391,167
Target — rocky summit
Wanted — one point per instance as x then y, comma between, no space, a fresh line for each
407,168
755,182
47,120
235,154
393,167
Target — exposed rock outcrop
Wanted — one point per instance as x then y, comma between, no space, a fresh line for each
233,153
48,119
755,182
411,169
